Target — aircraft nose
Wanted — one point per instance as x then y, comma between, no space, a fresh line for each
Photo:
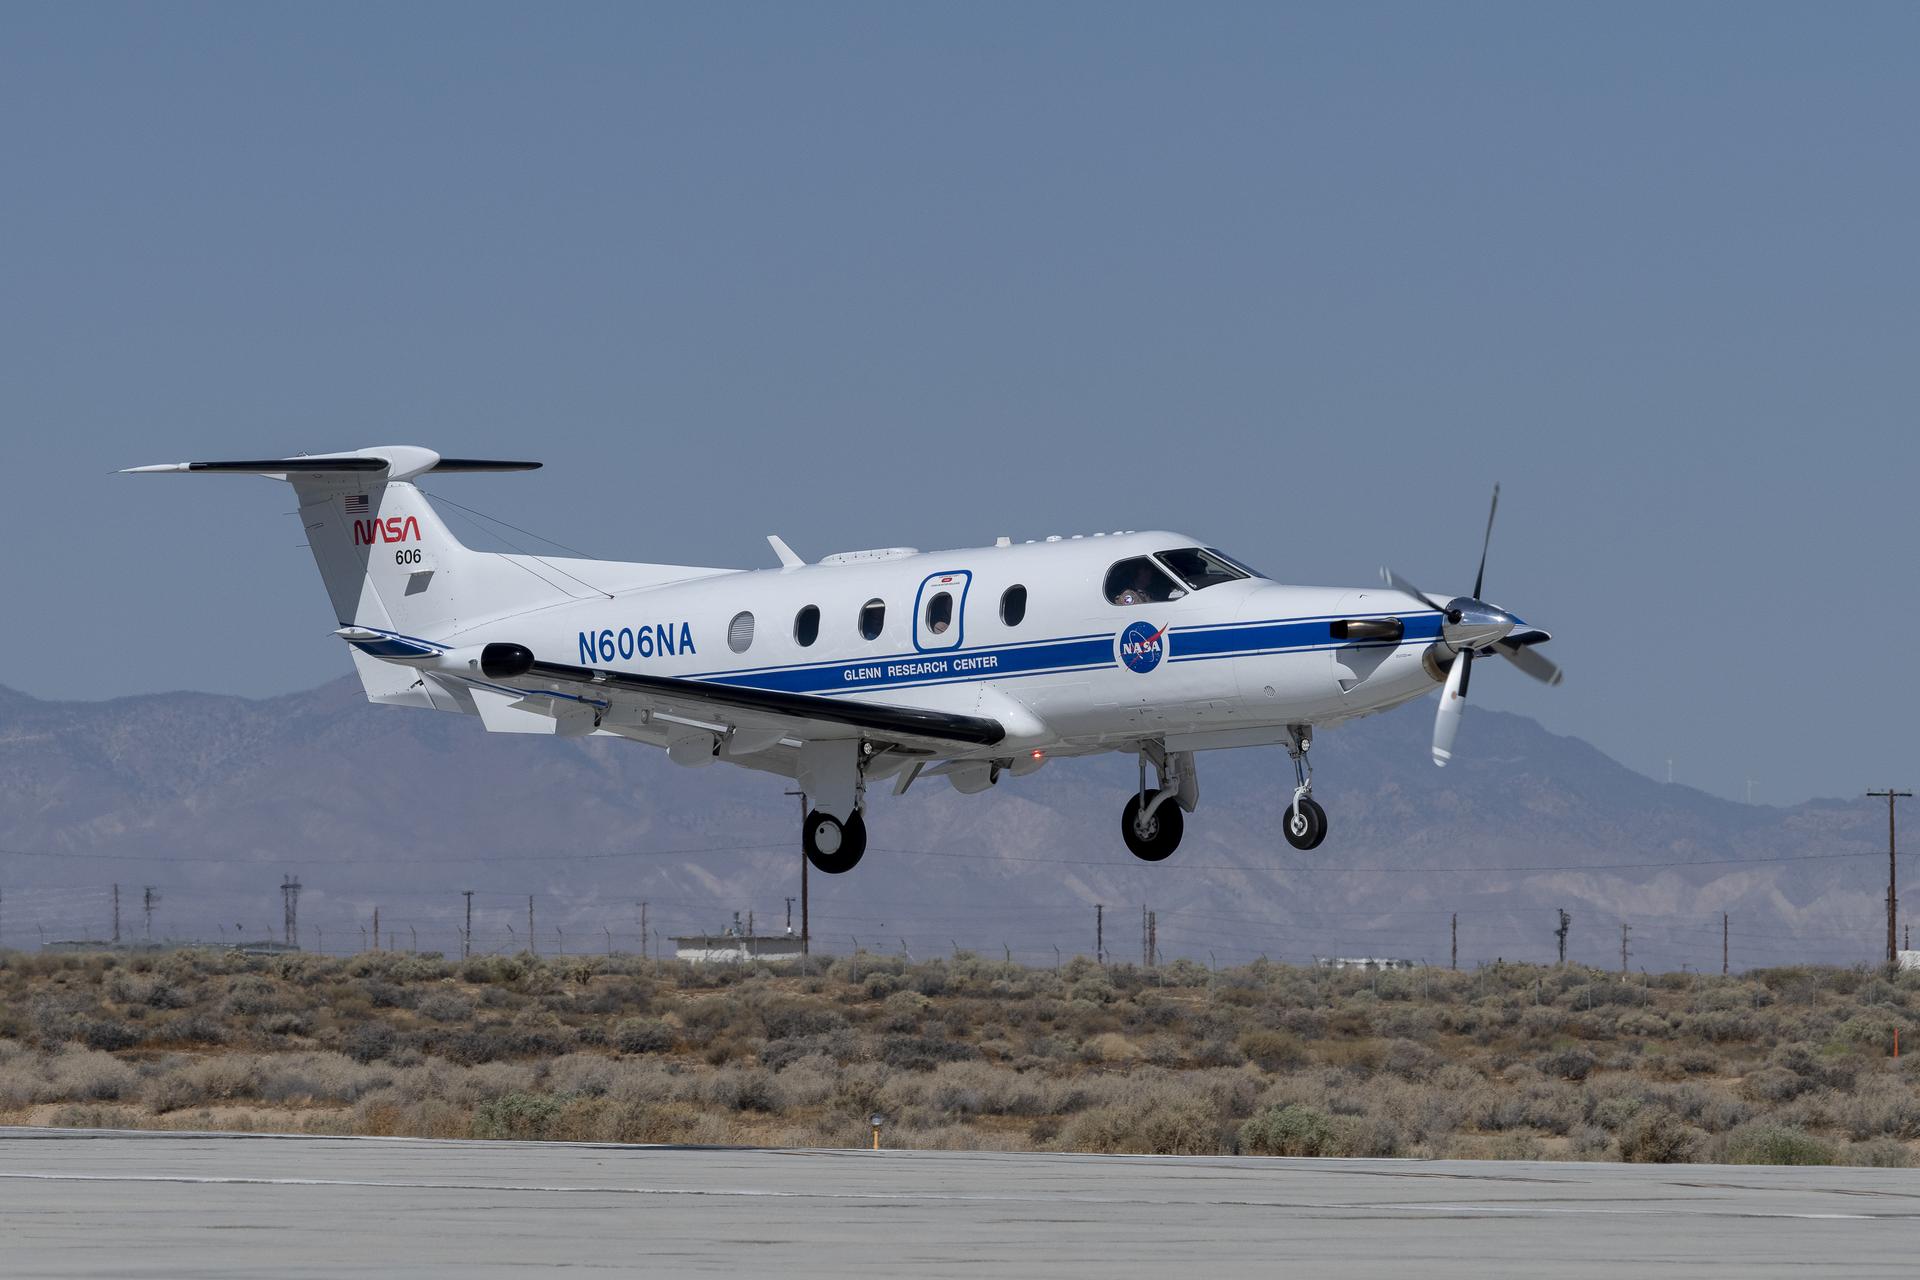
1475,624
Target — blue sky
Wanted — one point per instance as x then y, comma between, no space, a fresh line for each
1303,281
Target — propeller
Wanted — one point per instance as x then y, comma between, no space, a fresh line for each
1470,626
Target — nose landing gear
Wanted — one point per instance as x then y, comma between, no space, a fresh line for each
1306,822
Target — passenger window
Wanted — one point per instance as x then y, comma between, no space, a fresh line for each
740,632
939,614
1140,581
806,625
1013,605
873,618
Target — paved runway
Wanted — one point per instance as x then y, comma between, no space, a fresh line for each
75,1203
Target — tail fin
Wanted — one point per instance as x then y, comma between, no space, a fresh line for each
389,563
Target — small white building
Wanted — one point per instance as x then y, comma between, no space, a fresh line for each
737,948
1365,962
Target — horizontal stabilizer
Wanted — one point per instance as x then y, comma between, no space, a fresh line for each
267,467
397,462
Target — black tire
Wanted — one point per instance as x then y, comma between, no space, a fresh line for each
1306,829
845,841
1163,837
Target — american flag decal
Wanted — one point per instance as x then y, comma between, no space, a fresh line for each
356,504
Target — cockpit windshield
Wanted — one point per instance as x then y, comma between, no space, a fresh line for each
1203,567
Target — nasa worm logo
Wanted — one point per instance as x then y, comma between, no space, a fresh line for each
1141,646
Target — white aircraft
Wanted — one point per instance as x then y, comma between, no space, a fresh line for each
889,664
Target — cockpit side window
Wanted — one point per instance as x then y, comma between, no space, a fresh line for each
1200,568
1140,581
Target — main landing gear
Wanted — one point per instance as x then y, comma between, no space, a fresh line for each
1306,822
832,845
1152,822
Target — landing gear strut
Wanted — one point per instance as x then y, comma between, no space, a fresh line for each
1306,821
1152,822
834,846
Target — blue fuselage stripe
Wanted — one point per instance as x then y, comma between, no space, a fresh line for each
1046,657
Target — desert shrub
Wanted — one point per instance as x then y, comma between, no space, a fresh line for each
251,996
1767,1143
1272,1050
1566,1064
1881,1106
105,1033
1155,1126
445,1006
189,1028
715,1014
1880,1153
94,1117
1657,1136
370,1041
493,970
643,1035
922,1053
1870,1031
752,1089
1291,1130
286,1023
518,1116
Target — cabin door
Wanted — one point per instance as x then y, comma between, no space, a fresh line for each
939,611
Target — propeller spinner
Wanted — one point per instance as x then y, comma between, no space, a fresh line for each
1470,626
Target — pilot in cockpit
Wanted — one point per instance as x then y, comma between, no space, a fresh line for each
1140,590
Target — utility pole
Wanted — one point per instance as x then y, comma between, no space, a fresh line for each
1893,901
466,935
806,919
116,915
290,907
1144,961
1100,934
1456,941
1153,939
148,898
1723,944
1566,923
644,953
790,921
1624,931
376,928
533,939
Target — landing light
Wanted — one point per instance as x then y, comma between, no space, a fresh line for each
1038,754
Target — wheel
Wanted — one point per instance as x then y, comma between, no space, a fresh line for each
1162,835
833,846
1307,827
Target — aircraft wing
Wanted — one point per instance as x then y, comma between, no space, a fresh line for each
803,715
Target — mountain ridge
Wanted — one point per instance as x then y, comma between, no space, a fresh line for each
372,804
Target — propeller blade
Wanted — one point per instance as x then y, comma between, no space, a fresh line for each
1453,700
1523,657
1480,578
1406,588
